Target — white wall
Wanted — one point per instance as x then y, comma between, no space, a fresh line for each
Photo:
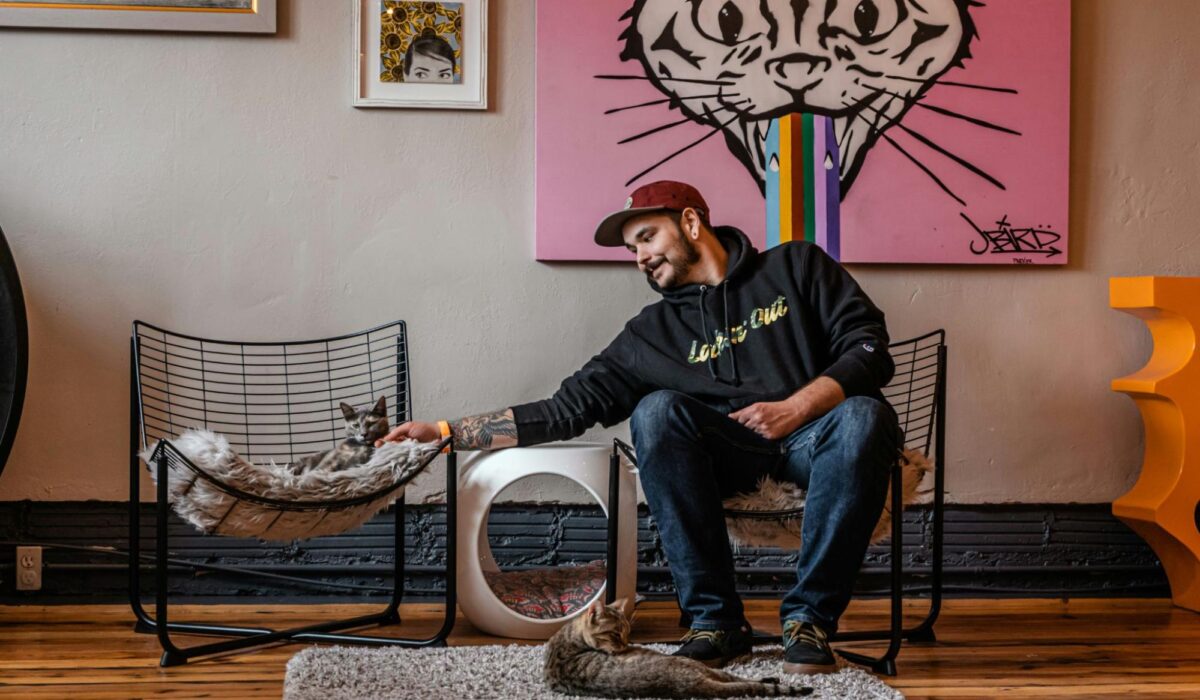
223,185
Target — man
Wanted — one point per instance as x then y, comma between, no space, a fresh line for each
752,364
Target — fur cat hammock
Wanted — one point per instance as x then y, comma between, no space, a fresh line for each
218,491
772,516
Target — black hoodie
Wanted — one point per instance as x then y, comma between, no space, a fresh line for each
778,320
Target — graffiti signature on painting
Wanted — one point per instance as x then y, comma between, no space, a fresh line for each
1007,239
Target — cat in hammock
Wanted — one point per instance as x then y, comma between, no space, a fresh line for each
592,656
363,428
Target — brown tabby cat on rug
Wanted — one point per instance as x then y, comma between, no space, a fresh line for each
592,656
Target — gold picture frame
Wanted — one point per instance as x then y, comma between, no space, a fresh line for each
240,16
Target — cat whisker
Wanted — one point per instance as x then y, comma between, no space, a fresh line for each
882,113
655,130
671,125
670,99
697,142
973,120
949,113
914,160
952,83
664,80
957,159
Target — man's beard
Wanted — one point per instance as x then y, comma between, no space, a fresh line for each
690,255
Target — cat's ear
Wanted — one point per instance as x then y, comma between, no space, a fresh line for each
347,410
380,407
622,606
593,610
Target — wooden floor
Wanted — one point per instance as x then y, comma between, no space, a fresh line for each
986,648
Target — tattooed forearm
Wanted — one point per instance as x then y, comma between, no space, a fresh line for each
486,431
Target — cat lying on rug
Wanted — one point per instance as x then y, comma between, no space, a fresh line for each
363,428
592,656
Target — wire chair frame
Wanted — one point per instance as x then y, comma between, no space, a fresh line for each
274,401
917,392
913,391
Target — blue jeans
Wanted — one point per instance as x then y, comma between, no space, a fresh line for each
691,455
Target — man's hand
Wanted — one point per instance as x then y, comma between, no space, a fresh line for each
773,420
486,431
417,430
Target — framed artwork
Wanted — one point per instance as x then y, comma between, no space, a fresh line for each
410,53
886,131
246,16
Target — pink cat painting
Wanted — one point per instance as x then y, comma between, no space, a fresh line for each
950,118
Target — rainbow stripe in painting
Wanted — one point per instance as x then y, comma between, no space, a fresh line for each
803,192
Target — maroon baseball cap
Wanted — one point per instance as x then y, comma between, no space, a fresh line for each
664,195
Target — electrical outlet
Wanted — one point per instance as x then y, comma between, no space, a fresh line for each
29,568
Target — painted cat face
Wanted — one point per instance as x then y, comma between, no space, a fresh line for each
737,64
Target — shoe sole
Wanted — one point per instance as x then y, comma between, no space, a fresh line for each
809,669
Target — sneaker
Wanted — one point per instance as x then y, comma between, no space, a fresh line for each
805,649
715,648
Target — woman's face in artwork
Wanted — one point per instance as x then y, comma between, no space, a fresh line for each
429,69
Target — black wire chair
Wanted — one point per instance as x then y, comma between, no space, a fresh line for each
918,393
278,402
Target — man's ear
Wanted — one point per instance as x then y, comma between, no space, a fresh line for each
690,219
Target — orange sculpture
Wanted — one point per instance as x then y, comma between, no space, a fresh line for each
1164,505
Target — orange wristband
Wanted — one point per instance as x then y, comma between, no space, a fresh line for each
444,428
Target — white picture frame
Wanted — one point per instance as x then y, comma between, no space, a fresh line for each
238,16
371,91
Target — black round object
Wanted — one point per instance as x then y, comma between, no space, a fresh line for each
14,350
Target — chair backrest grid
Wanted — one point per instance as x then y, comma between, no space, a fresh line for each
203,378
245,391
370,367
403,385
329,378
913,389
287,389
273,401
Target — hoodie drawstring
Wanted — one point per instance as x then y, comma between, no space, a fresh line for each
715,356
729,332
704,330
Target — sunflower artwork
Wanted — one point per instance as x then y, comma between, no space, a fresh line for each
420,42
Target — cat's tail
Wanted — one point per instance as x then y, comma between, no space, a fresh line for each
772,686
764,687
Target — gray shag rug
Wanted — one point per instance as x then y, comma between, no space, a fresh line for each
508,672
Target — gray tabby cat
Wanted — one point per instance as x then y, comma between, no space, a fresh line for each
363,428
592,656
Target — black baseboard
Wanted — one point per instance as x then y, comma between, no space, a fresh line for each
991,551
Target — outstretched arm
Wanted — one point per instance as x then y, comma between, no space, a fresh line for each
604,391
486,431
